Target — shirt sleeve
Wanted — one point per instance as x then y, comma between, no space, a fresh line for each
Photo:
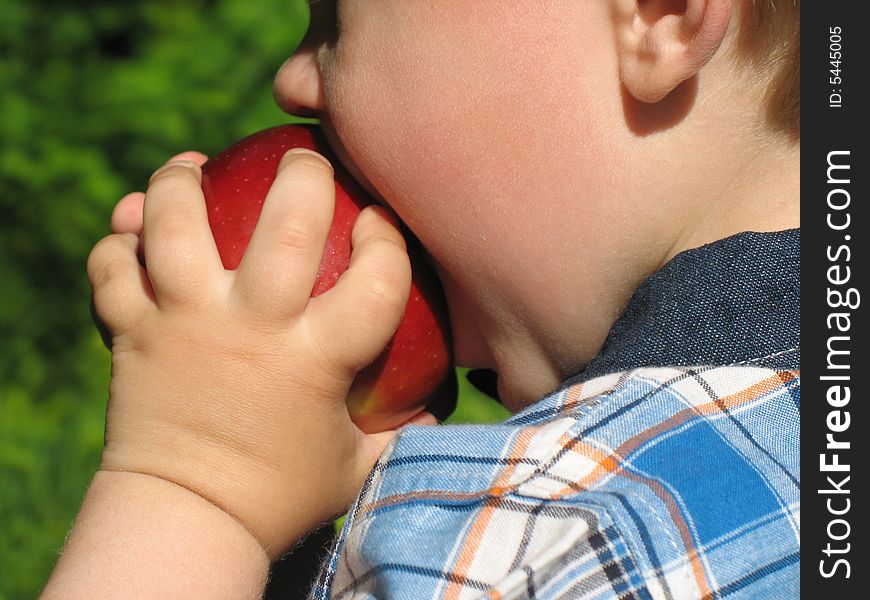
656,483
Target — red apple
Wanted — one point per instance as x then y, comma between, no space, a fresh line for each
415,369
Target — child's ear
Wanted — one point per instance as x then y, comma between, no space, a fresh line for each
662,43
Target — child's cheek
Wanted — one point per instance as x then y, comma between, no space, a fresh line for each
469,90
453,151
468,127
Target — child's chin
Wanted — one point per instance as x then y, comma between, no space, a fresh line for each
511,397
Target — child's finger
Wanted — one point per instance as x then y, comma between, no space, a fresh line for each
356,318
180,252
422,418
283,257
192,155
121,287
373,445
127,214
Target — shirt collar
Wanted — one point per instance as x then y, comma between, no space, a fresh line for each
734,301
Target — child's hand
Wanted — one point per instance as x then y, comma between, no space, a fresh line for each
233,383
127,215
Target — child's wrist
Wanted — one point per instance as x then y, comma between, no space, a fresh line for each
143,536
165,490
257,498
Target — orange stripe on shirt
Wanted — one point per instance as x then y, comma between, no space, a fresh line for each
571,398
472,541
613,463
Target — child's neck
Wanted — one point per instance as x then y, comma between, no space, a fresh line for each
762,193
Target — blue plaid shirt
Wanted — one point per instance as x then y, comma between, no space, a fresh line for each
677,478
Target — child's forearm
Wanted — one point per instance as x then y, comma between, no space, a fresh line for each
138,536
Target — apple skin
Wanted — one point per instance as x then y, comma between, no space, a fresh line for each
415,370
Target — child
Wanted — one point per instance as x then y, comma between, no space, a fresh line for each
586,176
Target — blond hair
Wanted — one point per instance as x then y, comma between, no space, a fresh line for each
770,41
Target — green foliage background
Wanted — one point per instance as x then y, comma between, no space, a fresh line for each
94,95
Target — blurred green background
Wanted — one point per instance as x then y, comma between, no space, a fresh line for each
94,95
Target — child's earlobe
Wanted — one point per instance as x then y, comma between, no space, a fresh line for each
662,43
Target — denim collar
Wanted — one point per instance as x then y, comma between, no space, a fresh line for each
735,301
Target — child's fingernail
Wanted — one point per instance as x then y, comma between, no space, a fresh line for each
175,163
189,164
294,153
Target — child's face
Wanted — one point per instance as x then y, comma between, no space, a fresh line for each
477,122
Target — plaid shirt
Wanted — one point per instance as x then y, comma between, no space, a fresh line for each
654,483
627,482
